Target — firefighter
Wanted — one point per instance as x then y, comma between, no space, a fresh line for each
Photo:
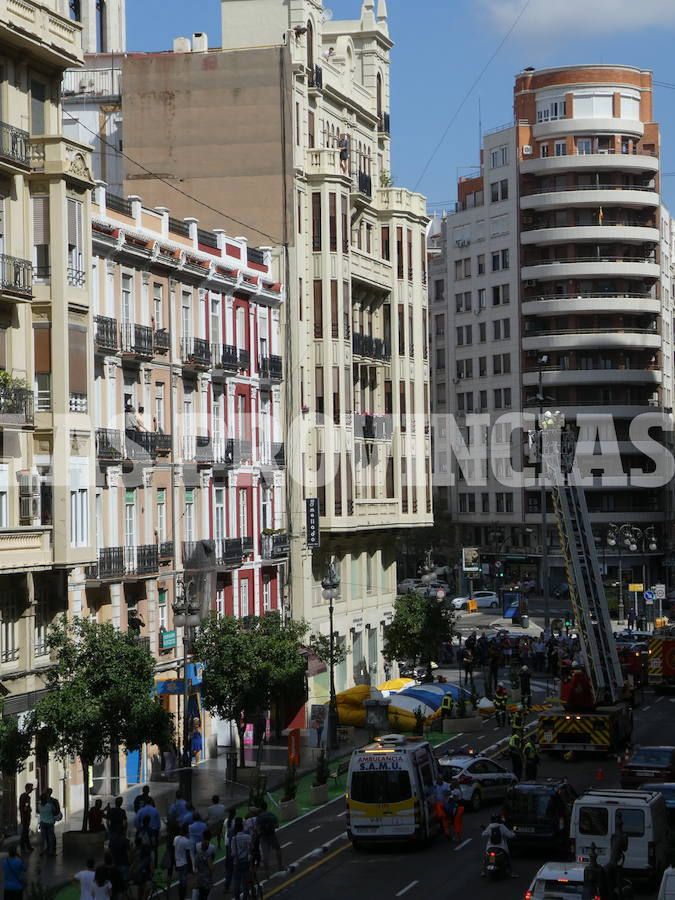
500,700
518,717
526,687
516,755
531,758
447,706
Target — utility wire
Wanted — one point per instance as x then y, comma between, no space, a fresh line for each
170,184
472,89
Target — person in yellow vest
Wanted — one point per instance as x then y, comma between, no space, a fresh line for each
447,705
531,758
500,700
516,754
518,720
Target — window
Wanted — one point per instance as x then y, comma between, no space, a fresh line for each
561,148
311,140
501,294
497,364
161,515
584,146
386,252
316,221
460,336
633,821
480,264
43,365
467,301
79,516
550,110
4,495
77,367
506,328
507,398
497,330
440,357
467,268
318,395
243,599
593,820
483,399
482,332
42,621
41,237
9,615
318,308
498,398
267,594
159,407
499,190
440,326
243,513
482,366
468,335
481,298
332,222
499,157
344,213
158,306
440,394
506,358
189,515
399,253
543,151
459,302
439,290
75,243
38,106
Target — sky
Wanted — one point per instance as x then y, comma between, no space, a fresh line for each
453,58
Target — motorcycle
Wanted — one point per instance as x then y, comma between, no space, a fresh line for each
496,863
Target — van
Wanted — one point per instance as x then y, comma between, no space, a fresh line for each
643,817
667,889
389,788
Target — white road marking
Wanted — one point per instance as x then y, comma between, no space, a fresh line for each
463,844
287,844
343,813
646,708
407,888
316,828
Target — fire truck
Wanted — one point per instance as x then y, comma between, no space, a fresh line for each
662,659
594,713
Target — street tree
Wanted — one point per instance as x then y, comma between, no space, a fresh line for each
417,630
15,743
247,663
100,695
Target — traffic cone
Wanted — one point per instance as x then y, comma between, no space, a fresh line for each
600,775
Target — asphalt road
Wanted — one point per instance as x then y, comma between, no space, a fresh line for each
324,866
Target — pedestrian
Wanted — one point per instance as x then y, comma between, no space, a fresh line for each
229,834
141,799
196,830
539,653
178,808
85,879
196,745
142,868
204,861
25,814
47,819
215,819
182,846
518,720
526,687
13,875
494,666
266,826
241,859
439,796
116,817
95,817
515,748
468,666
458,819
118,885
151,824
188,816
531,757
500,700
101,889
119,846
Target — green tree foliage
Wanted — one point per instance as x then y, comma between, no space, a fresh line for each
100,695
15,744
247,664
320,646
418,629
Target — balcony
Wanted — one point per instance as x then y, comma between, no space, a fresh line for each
110,566
199,555
76,276
166,551
596,196
640,162
315,78
597,301
195,354
271,368
16,278
384,123
142,560
273,456
229,553
162,443
582,267
370,348
373,427
161,340
109,445
362,185
580,338
244,359
141,445
14,153
105,335
275,546
605,232
16,403
137,343
204,454
22,548
247,546
224,359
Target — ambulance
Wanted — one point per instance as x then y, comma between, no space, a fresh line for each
389,791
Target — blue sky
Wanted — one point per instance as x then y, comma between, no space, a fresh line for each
442,46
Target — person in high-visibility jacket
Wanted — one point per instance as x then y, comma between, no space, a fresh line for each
500,700
531,757
447,705
516,754
518,720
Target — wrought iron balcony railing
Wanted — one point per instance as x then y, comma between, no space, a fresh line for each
229,552
14,145
161,340
166,550
105,334
271,367
137,340
275,546
16,405
195,352
16,275
141,560
109,445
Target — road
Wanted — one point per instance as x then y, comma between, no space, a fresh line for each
325,866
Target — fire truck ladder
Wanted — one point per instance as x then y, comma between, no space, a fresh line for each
587,593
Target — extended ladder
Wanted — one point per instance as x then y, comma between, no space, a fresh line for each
587,593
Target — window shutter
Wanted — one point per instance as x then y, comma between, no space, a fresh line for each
3,349
72,222
77,346
29,498
41,220
43,349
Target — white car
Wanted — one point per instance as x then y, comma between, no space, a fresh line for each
561,879
481,780
484,600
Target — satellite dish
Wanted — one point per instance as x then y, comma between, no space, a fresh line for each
326,16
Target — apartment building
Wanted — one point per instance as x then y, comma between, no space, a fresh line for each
47,455
588,252
190,500
309,166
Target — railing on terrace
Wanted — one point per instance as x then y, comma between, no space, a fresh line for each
14,144
16,275
105,333
137,339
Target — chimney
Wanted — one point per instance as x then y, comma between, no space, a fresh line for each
200,42
181,45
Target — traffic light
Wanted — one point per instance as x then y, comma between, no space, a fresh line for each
568,620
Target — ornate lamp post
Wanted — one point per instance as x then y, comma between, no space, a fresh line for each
331,590
631,538
185,616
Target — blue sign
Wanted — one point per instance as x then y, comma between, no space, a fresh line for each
649,595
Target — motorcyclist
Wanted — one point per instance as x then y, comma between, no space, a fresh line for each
498,837
500,700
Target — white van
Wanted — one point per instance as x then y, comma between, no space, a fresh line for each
667,889
389,791
644,821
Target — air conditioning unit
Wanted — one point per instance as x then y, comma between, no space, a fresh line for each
527,150
530,282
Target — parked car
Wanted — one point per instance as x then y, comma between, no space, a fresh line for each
484,600
539,813
481,780
648,764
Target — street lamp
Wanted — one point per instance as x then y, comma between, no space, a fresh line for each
185,616
331,589
631,538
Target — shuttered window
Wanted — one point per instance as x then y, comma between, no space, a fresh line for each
43,349
38,101
77,361
75,234
318,308
41,236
